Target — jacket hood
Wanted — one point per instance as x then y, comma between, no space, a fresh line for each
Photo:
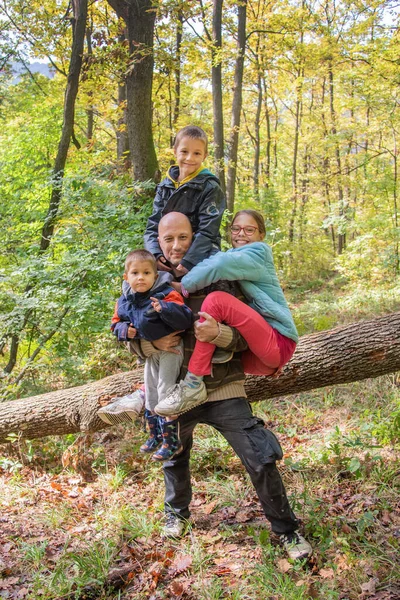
163,278
173,174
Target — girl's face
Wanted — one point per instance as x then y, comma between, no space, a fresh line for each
244,230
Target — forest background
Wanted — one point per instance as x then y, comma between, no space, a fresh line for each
301,102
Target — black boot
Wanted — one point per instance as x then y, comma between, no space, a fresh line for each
155,438
171,442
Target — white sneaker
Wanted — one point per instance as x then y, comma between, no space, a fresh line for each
296,546
123,410
181,398
174,526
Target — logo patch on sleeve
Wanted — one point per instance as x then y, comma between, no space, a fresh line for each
212,209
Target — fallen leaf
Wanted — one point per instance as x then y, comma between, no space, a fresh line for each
181,563
283,565
369,587
208,508
243,515
327,573
177,588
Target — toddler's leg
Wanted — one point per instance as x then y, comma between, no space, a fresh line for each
172,444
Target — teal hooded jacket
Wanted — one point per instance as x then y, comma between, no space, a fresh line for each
253,267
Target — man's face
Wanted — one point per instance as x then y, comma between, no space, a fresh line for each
175,238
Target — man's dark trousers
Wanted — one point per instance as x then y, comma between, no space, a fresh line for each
256,447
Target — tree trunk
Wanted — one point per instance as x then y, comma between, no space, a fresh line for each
139,16
216,78
351,353
236,107
75,65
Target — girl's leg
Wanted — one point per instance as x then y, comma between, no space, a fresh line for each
263,356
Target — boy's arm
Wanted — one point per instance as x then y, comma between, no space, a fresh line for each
175,313
118,327
151,234
247,263
210,213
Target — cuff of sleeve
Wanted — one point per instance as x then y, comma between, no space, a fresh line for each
187,264
224,337
147,348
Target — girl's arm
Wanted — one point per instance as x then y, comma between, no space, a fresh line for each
247,263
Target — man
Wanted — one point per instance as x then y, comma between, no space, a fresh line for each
227,410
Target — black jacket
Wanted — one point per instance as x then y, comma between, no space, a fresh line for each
202,201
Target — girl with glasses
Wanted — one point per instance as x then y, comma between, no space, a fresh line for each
265,321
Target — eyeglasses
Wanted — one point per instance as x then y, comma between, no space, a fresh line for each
248,229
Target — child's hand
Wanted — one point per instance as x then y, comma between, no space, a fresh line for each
176,285
161,265
131,332
182,269
156,304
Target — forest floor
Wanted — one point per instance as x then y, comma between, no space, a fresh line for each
95,531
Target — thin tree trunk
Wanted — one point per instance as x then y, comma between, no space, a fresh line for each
341,237
75,65
257,138
236,106
177,70
216,79
352,353
123,156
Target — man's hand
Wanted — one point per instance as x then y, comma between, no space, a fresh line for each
182,270
131,332
169,342
207,330
156,304
161,265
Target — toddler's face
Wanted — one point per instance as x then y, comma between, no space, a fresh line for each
190,154
140,275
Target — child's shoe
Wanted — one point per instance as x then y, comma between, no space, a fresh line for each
124,409
155,438
171,443
181,398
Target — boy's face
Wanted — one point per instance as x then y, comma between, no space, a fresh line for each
140,275
190,154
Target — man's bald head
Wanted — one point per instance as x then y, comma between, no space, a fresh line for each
174,236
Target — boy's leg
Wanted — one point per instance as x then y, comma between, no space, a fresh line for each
263,356
169,368
151,377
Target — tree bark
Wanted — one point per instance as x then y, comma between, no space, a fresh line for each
236,106
345,354
139,16
216,78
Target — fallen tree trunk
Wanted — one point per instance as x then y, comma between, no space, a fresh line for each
341,355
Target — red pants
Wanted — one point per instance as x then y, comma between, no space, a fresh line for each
263,356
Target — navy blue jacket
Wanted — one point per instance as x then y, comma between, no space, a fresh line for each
201,199
135,307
